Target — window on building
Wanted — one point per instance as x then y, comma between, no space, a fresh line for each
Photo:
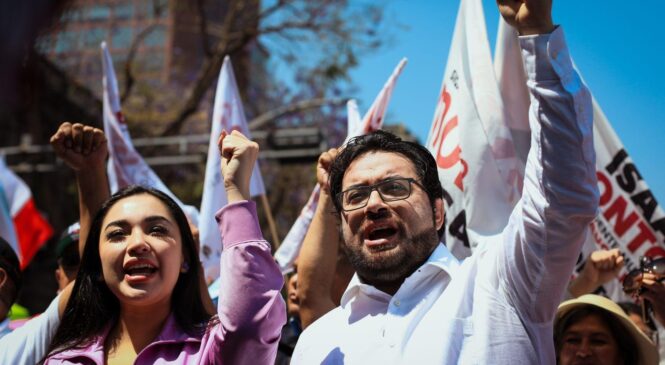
123,11
156,38
94,36
67,41
98,12
121,37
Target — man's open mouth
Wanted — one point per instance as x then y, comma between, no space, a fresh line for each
379,233
380,237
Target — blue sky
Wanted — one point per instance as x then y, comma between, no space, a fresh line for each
618,48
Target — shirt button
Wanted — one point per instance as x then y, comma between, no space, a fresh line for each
397,303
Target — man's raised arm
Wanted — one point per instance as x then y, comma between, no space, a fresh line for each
318,256
560,196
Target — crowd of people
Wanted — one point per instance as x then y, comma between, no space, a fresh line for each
373,283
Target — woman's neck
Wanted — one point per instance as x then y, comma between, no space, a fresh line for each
136,328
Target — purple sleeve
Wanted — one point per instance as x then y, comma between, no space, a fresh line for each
251,310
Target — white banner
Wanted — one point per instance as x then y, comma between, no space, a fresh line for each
125,165
228,114
473,148
630,218
373,120
7,230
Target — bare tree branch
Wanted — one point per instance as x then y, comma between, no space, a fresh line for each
296,107
301,24
290,25
203,28
272,9
206,76
129,76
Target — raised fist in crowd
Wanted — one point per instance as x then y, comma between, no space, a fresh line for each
323,168
239,155
601,267
528,16
80,146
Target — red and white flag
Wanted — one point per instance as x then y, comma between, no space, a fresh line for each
228,114
125,164
373,120
630,218
473,149
21,224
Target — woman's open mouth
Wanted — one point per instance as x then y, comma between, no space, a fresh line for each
138,272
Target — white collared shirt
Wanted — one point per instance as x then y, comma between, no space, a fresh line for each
28,344
497,306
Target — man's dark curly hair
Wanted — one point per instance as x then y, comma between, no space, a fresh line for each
422,160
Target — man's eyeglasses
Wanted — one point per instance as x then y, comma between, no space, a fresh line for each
398,188
632,284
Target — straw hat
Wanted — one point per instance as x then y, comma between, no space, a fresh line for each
648,352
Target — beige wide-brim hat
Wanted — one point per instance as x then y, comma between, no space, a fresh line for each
648,352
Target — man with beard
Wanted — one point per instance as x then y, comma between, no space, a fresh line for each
411,301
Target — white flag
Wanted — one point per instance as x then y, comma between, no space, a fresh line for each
472,147
353,119
228,114
7,230
373,120
125,165
630,218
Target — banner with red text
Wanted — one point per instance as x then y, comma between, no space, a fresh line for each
125,165
373,120
630,218
472,146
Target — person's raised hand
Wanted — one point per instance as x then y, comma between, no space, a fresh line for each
603,266
239,155
323,168
528,16
600,267
80,146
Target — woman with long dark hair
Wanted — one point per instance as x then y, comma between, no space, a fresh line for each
137,297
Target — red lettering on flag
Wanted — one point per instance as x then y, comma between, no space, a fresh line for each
441,130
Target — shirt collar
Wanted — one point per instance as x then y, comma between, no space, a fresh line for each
440,259
171,332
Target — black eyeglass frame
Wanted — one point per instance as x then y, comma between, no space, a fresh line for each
370,188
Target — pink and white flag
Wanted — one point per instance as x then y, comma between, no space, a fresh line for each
228,114
630,218
21,224
473,149
125,164
373,120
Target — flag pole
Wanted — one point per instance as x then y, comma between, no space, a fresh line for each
271,223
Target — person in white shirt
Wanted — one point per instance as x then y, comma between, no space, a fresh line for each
411,301
10,283
28,344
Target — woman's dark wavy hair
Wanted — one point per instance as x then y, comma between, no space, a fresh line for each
382,141
92,305
627,347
